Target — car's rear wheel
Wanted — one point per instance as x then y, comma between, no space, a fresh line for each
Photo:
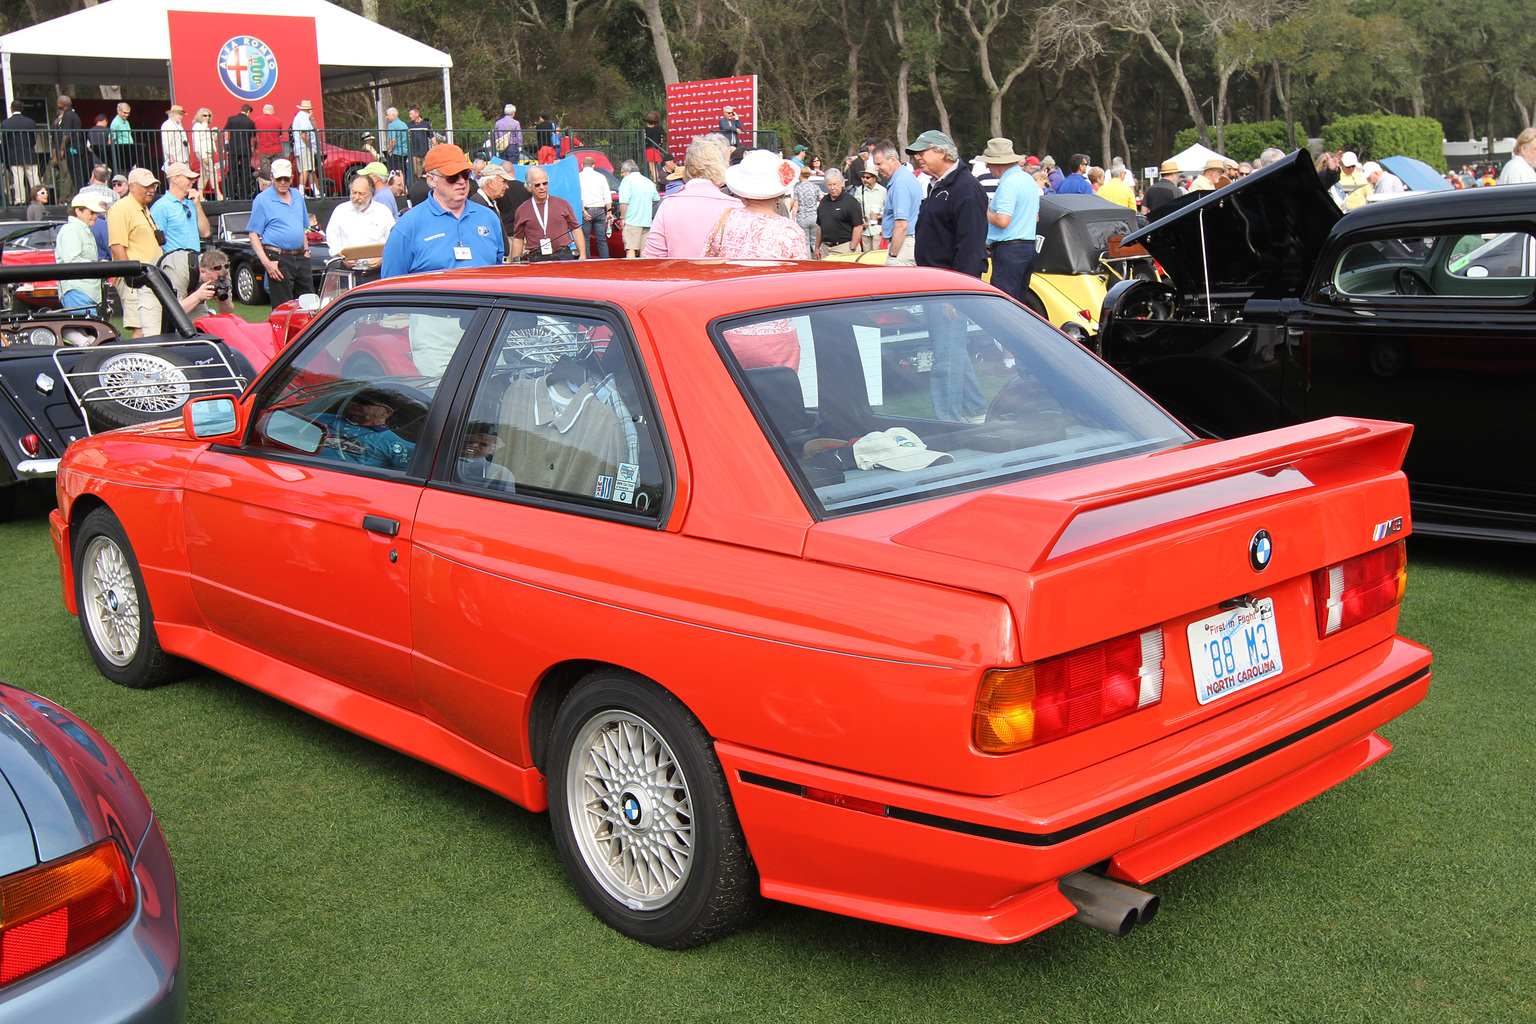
123,388
643,817
248,289
114,609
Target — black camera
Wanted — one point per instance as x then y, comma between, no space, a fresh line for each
221,288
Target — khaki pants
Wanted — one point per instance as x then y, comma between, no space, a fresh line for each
836,250
906,257
634,237
22,192
141,309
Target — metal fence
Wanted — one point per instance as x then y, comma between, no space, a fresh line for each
228,163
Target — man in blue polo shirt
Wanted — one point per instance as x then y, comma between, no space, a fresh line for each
442,232
179,214
277,226
1011,219
446,231
903,201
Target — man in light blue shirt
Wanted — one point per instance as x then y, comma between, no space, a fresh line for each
179,214
396,144
278,224
903,202
637,198
1011,219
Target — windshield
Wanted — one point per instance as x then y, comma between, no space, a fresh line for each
890,400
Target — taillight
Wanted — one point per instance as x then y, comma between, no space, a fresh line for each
31,444
1355,590
1024,707
57,909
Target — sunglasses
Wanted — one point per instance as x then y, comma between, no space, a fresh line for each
461,176
538,184
283,178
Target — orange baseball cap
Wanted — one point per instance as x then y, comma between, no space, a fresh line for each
447,159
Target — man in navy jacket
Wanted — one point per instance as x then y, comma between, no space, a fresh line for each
954,216
954,237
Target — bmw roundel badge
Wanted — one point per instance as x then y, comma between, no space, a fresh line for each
1260,549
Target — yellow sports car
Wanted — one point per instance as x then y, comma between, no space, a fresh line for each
1077,261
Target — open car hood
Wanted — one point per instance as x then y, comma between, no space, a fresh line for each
1261,234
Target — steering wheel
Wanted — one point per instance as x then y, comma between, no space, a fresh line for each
1408,281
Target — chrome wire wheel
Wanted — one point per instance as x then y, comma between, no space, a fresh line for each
631,810
143,382
110,601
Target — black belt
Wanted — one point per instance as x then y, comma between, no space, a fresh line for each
284,252
1012,241
538,257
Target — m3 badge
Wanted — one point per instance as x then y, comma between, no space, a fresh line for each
1387,529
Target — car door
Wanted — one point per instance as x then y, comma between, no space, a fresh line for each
300,539
543,518
1437,329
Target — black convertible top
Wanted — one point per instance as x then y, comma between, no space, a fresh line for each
1076,230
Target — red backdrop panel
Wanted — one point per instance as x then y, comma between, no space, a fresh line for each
693,108
220,61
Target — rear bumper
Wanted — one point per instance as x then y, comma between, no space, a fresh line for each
37,469
985,868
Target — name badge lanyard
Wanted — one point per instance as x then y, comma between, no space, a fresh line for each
546,244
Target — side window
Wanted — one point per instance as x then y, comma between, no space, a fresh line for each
558,413
1495,264
360,390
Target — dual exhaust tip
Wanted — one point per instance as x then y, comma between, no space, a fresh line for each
1107,905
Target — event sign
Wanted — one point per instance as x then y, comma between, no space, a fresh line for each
221,61
693,108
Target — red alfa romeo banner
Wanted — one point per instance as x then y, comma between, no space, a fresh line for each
694,108
221,61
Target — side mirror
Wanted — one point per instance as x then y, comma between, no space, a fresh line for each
215,416
309,302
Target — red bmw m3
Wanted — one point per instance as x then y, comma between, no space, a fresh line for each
858,588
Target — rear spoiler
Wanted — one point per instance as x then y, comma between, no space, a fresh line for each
1030,517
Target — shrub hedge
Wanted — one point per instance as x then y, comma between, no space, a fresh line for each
1374,136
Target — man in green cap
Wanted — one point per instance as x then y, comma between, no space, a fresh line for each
796,160
382,194
954,237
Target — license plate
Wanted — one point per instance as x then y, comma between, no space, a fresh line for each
1234,650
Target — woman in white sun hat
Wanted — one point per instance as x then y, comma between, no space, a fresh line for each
756,230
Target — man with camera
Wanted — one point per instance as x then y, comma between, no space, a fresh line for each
213,284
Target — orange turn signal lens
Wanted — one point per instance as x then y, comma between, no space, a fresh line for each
1018,708
57,909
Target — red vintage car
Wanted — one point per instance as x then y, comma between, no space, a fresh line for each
668,549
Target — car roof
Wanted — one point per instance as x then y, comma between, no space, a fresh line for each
715,287
1454,204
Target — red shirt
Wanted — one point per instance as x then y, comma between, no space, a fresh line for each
269,134
560,229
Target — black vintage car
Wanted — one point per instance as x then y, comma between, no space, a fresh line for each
65,374
1279,308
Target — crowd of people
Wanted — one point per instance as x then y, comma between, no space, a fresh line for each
425,205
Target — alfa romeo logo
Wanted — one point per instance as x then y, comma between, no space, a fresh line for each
247,67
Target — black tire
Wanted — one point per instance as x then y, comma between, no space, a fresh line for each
1033,302
248,289
347,177
126,387
115,615
623,863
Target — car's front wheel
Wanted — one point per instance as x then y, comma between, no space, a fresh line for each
114,609
248,289
643,817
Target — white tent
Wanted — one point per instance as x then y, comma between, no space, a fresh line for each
1194,159
128,43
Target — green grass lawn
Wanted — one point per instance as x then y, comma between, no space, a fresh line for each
325,878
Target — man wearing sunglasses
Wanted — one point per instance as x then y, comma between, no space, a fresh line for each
277,228
179,215
446,230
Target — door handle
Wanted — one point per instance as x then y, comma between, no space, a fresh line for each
378,524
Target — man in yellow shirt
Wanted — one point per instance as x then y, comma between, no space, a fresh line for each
1117,191
131,236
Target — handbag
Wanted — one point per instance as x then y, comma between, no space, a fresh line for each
717,236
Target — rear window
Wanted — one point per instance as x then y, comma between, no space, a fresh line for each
885,401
